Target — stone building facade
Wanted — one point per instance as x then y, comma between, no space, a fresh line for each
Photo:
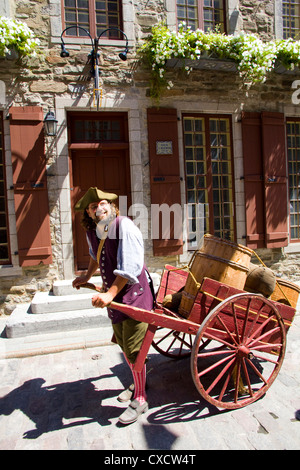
63,85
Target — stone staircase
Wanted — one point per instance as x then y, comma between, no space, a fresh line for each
63,309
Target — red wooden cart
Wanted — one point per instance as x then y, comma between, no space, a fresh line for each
236,340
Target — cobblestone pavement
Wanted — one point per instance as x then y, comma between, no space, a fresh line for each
68,400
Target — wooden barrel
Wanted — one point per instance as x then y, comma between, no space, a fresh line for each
286,292
218,259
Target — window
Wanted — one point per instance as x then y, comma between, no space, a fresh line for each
291,18
209,177
293,151
94,16
101,128
208,15
4,248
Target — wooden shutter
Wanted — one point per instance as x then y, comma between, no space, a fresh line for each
30,185
253,170
265,179
275,180
164,174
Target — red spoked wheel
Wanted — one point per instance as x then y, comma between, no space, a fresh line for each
247,347
175,344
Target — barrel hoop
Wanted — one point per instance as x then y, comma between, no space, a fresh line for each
225,261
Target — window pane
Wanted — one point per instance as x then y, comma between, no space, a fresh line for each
291,19
77,14
187,11
108,16
97,131
206,15
83,4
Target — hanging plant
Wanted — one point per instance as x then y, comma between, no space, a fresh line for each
254,58
16,35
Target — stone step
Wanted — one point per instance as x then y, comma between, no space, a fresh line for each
22,322
64,309
65,297
45,302
64,287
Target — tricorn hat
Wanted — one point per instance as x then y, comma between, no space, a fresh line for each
93,195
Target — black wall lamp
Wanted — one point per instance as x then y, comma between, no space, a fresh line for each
94,42
50,123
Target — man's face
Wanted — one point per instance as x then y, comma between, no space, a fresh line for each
99,211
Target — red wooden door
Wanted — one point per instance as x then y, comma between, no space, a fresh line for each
107,169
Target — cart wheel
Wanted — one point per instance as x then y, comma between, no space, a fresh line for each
248,343
174,344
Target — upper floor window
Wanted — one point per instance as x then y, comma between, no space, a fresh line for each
207,15
291,18
94,16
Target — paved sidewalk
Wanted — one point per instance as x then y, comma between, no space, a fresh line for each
61,393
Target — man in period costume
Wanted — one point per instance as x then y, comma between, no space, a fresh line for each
116,247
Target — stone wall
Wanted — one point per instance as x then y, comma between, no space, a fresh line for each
258,17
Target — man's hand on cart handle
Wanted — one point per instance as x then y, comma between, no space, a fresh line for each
89,285
98,301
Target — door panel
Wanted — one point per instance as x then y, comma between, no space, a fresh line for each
107,170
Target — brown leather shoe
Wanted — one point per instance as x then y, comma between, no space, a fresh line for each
134,410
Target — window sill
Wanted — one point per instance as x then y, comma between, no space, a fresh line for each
205,63
80,41
10,271
292,248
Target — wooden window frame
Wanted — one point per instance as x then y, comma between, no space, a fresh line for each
120,117
111,35
209,174
200,13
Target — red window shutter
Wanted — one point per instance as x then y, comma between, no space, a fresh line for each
253,170
165,178
30,185
275,180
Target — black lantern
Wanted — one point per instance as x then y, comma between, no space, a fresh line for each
50,123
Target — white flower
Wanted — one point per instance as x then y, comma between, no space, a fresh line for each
17,34
254,58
